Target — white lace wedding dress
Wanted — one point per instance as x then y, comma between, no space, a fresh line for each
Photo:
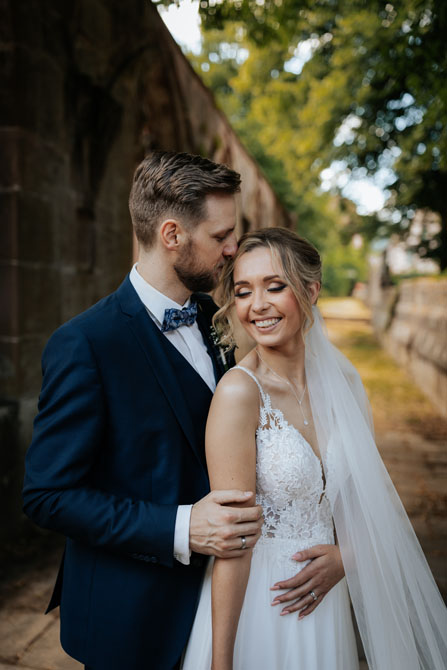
297,515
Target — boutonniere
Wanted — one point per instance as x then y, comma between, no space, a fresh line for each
221,350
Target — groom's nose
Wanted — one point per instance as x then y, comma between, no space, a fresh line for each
230,247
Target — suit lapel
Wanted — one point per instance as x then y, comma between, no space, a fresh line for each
204,328
149,338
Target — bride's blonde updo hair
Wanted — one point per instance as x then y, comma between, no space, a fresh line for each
297,262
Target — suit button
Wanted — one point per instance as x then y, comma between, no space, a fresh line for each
154,559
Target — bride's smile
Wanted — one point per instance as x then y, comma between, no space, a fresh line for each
266,324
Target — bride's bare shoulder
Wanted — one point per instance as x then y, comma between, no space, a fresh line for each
237,387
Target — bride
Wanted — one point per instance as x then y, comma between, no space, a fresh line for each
292,422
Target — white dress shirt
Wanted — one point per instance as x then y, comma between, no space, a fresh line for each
189,342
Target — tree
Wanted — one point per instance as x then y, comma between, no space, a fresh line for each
372,96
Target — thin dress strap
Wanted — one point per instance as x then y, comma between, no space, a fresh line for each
264,396
267,415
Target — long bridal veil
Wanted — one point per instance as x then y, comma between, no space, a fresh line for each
400,613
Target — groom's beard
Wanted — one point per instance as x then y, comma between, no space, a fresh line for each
194,276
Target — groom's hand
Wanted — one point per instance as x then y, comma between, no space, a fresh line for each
216,529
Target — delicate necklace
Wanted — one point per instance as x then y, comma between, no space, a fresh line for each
299,400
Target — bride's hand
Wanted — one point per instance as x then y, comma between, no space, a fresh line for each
317,578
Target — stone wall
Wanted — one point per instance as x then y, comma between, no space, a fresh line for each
411,322
88,87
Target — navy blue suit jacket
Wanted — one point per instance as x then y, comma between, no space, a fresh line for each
118,444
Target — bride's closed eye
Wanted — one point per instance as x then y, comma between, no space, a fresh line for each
272,289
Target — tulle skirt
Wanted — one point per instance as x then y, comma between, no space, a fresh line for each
323,640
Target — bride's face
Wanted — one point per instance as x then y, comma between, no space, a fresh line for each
265,304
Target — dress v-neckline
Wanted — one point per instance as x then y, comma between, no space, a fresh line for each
284,423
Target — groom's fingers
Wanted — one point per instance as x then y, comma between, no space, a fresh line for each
233,540
236,544
233,548
243,514
237,514
244,529
230,496
217,529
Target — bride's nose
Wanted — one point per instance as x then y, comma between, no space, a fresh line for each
259,302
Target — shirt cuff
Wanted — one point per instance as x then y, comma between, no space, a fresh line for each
182,552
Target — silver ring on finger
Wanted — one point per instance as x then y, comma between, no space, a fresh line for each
311,593
244,542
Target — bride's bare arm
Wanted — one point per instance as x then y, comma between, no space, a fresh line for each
231,459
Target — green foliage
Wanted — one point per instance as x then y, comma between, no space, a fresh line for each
234,69
343,267
373,95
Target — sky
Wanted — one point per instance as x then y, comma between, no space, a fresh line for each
183,22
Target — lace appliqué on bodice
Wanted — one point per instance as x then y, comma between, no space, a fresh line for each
289,484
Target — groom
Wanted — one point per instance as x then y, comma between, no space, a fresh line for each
117,461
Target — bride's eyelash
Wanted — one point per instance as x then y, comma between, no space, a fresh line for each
276,289
273,289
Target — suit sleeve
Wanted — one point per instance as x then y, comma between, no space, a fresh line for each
69,431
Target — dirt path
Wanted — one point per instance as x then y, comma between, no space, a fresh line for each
410,435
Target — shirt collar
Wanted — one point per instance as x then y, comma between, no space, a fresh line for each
153,300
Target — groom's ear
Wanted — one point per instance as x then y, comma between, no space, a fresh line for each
171,234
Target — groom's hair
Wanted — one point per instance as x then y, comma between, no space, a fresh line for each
175,184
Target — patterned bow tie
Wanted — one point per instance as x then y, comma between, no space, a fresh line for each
174,318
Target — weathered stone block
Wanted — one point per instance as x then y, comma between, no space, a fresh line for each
411,321
79,292
29,376
27,413
38,106
9,466
65,233
9,361
31,164
35,226
86,242
96,21
43,169
114,246
9,174
8,299
39,299
8,226
25,24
